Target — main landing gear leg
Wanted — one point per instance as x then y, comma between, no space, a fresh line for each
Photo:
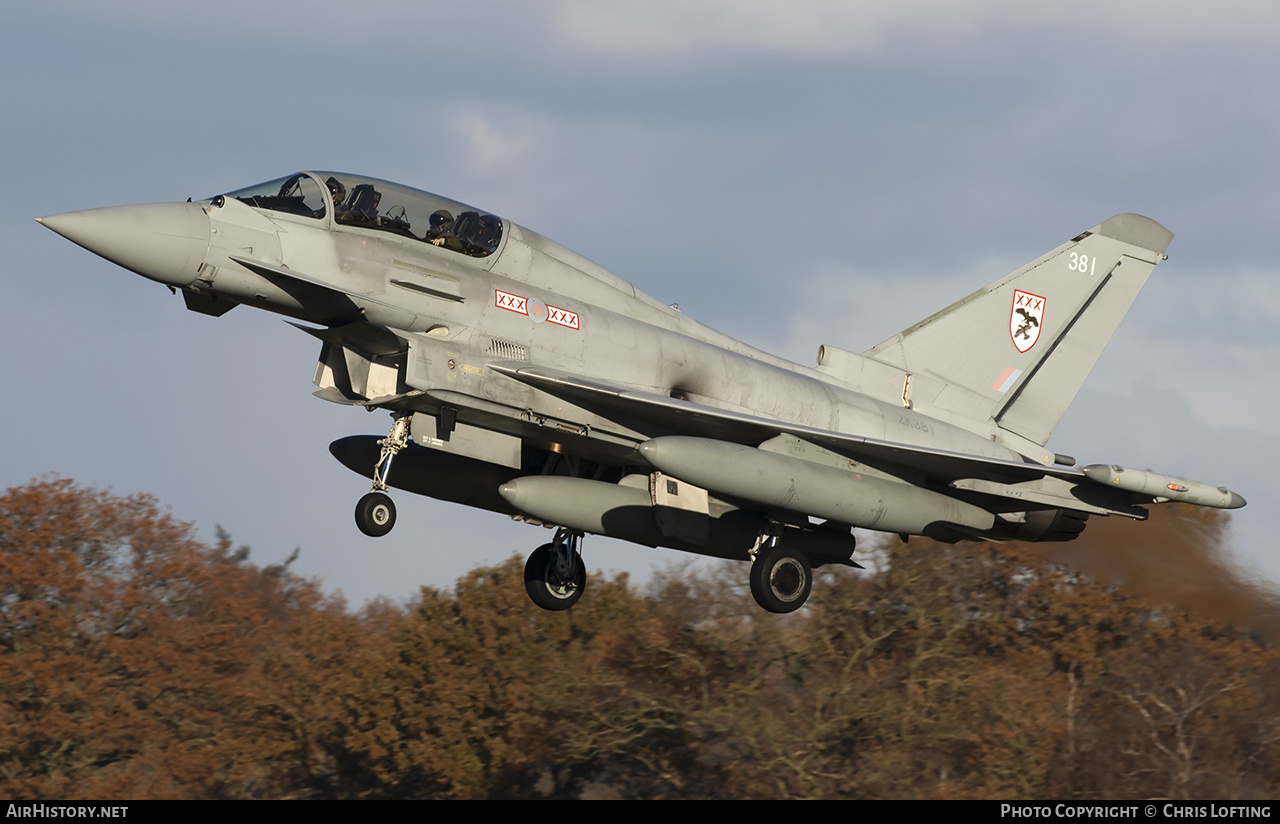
780,576
375,512
554,575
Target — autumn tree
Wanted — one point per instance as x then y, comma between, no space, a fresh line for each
137,662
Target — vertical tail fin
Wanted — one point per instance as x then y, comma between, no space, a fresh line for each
1019,349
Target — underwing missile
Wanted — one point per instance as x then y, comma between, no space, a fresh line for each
1164,487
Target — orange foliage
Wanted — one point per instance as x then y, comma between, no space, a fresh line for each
137,662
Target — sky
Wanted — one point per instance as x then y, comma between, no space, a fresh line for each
825,172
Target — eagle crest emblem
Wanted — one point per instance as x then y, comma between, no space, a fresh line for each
1026,319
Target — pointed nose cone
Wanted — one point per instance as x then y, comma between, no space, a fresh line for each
161,241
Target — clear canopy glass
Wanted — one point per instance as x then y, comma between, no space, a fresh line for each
380,205
297,194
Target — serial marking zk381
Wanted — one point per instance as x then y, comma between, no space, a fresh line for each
527,380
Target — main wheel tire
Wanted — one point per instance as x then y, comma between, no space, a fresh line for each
546,586
781,579
375,514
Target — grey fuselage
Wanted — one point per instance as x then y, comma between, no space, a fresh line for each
461,313
521,359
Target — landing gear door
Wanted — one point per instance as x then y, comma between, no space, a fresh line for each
680,509
428,364
468,441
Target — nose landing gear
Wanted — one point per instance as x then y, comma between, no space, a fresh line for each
375,512
554,575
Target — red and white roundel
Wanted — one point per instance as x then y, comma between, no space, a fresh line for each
1025,319
536,310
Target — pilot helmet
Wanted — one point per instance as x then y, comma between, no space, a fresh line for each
336,189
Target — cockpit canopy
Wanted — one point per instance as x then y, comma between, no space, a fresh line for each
376,204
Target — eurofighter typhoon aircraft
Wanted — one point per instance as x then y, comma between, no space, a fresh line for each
526,380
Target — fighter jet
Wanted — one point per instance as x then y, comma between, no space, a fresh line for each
526,380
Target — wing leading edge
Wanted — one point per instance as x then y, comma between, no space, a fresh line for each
1009,484
682,416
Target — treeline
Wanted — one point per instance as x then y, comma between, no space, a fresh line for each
137,662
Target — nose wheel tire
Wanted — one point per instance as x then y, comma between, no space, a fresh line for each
375,514
781,579
554,577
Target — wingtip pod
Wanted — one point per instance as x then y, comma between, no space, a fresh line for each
1164,487
1137,230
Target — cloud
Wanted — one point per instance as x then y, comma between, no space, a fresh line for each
683,29
1206,336
491,141
661,30
671,28
1224,386
855,308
